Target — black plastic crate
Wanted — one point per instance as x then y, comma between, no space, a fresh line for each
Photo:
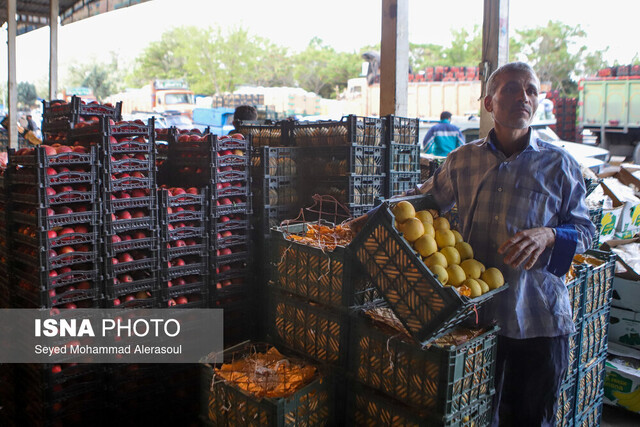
575,287
129,264
43,260
404,158
198,247
194,295
349,130
230,223
142,239
594,337
367,407
85,193
319,275
353,190
401,130
277,191
425,307
116,285
230,239
443,379
40,217
43,242
129,162
184,207
77,106
322,162
401,182
274,134
194,266
116,226
113,204
53,298
37,157
275,161
316,331
590,386
48,177
188,231
225,404
237,205
229,189
127,301
598,285
54,278
566,404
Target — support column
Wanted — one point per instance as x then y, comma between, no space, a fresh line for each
12,86
394,57
495,50
54,11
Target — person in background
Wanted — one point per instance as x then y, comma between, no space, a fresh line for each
443,137
243,113
521,204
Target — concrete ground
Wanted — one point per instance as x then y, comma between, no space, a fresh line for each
613,416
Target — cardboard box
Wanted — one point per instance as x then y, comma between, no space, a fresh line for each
624,327
626,294
609,222
622,379
630,216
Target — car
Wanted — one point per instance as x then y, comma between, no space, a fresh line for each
181,122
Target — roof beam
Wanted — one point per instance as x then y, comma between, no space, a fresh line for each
11,83
54,10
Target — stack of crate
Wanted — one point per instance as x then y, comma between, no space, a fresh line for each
403,160
184,244
5,208
54,228
130,207
590,292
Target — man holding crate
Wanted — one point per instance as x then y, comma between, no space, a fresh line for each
522,209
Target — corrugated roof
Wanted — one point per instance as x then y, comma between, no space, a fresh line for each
32,14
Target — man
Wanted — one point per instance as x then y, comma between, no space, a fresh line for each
443,137
243,113
521,207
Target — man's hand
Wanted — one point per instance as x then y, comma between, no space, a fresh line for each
527,245
356,224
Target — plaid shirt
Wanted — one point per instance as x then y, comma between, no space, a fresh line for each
498,197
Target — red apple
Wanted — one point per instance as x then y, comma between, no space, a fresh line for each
237,136
125,278
49,151
192,190
143,295
138,214
51,171
171,302
124,215
116,302
64,210
129,297
181,300
180,243
51,234
125,257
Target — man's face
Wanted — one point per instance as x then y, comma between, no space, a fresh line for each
515,101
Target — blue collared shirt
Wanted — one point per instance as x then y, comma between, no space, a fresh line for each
497,197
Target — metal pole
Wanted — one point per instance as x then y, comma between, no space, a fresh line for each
394,57
495,50
54,11
11,83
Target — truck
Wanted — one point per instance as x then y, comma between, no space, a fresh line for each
218,119
609,107
85,93
159,96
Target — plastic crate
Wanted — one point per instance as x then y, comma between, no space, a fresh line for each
324,162
224,404
425,307
78,107
266,134
319,275
349,130
229,189
366,407
42,298
349,190
118,226
401,182
404,158
43,243
590,387
277,191
566,402
197,295
592,416
195,266
149,242
594,337
275,161
598,285
574,355
39,158
596,218
40,178
237,238
242,207
196,231
576,293
442,380
401,130
272,216
150,262
78,273
313,330
40,219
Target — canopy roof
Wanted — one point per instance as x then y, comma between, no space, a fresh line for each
33,14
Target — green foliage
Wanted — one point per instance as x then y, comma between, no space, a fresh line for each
103,78
27,96
466,48
322,70
557,54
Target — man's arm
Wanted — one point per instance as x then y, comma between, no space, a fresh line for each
572,235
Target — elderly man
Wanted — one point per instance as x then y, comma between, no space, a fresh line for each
522,209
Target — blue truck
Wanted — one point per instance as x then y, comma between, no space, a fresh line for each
219,119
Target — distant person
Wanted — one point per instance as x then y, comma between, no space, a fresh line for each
243,113
31,124
443,137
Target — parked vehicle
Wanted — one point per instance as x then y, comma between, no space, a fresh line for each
610,107
159,96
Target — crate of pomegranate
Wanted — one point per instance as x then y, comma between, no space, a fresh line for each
255,384
424,270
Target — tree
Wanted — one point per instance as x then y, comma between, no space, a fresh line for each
102,78
320,69
557,55
466,48
27,95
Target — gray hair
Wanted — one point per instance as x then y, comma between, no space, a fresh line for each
492,83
